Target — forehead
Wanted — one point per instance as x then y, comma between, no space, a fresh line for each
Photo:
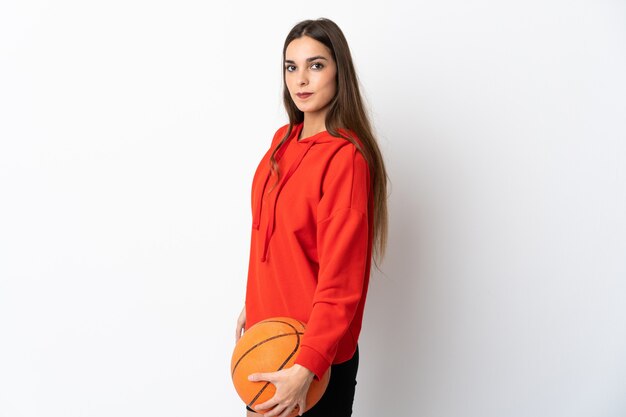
305,47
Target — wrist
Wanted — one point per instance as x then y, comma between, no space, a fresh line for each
304,372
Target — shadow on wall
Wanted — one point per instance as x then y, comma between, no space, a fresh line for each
395,341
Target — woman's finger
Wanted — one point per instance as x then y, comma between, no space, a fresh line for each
296,409
261,376
301,407
280,410
267,405
287,411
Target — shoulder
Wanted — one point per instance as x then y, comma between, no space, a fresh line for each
346,164
346,181
346,153
279,134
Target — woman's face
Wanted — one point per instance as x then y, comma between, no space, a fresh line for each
310,75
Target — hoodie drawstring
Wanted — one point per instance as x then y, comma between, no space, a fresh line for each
256,217
270,227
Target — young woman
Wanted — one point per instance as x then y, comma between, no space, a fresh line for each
319,213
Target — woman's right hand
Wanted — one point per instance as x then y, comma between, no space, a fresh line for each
241,323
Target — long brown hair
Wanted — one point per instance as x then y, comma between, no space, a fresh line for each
346,111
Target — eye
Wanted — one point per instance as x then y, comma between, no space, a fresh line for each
317,65
290,68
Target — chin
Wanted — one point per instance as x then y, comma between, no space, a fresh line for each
309,109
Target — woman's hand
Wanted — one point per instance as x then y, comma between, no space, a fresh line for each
292,385
241,323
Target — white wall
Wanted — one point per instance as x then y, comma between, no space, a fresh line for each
129,132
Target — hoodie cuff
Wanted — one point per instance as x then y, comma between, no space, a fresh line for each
313,361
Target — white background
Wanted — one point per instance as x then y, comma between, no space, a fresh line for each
129,133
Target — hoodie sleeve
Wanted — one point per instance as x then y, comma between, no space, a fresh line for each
342,243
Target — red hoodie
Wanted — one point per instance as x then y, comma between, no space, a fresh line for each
311,242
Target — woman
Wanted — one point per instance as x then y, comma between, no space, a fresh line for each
319,210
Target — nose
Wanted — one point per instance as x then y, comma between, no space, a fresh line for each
302,78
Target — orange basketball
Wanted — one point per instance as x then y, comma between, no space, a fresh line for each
269,346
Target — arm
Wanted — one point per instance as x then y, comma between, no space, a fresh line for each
342,242
241,324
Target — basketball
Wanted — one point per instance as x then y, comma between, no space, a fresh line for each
269,346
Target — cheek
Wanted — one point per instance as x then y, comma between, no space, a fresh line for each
289,83
330,84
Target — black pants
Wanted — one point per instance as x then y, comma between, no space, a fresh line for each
339,396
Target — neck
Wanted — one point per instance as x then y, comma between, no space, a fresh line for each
313,124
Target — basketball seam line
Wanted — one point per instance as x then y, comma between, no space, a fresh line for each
259,344
283,364
271,338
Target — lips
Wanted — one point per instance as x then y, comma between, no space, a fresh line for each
304,95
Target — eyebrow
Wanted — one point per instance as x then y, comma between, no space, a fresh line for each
313,58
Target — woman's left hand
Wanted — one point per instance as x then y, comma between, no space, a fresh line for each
292,385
